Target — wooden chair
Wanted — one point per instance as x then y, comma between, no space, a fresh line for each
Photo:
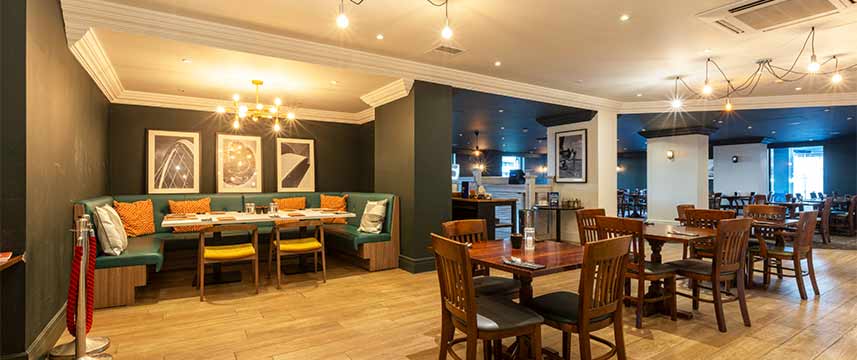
621,204
800,249
759,234
716,201
586,224
302,246
638,268
480,318
681,209
704,218
598,302
824,220
473,231
844,221
760,199
227,253
728,261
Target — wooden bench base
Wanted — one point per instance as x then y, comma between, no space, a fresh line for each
116,286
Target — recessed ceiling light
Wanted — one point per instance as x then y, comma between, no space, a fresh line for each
540,141
778,81
811,139
773,131
460,134
525,130
500,110
498,63
379,36
795,123
503,138
333,82
625,17
639,94
707,51
502,128
187,60
719,121
504,145
643,129
798,88
827,110
849,118
749,127
835,133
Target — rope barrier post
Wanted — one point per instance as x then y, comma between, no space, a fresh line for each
81,300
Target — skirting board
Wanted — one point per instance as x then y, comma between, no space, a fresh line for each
416,265
46,340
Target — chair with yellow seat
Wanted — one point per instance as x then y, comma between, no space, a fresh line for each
302,246
228,253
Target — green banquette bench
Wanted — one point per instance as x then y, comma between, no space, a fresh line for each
117,276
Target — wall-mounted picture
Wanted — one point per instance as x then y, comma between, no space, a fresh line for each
295,165
239,163
571,156
172,162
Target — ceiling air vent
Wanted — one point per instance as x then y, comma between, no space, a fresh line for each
449,50
755,16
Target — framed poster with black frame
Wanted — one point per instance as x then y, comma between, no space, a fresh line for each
172,162
571,156
295,165
239,163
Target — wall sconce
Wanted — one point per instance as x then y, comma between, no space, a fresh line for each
670,155
735,158
542,169
619,168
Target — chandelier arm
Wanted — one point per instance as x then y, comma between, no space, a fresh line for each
443,3
772,69
811,35
356,2
749,80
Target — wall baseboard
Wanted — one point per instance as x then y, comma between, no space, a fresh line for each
46,340
416,265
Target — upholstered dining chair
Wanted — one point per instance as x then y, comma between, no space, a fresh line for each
824,220
761,233
799,249
727,264
586,224
598,302
473,231
845,221
681,210
295,247
760,199
638,268
703,218
483,318
211,254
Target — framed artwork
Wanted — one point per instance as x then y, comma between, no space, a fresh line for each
172,162
571,156
295,165
239,163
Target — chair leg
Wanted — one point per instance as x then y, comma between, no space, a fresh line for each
585,351
742,301
201,280
694,286
627,291
472,344
486,349
811,270
684,251
270,256
779,269
536,342
323,267
641,294
799,277
750,271
673,290
718,305
315,262
447,331
619,334
279,266
256,272
766,272
566,345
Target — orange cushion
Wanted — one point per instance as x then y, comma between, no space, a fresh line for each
200,206
338,203
138,217
292,203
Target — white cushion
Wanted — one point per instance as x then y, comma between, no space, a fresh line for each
373,217
111,232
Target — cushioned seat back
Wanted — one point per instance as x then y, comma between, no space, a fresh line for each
263,199
357,203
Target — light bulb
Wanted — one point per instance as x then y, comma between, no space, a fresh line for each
707,90
273,109
221,109
728,106
290,115
676,103
276,127
236,124
446,33
836,79
242,115
278,102
236,97
342,21
814,66
242,109
259,106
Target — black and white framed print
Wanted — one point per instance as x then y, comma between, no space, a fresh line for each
172,162
571,156
295,165
239,163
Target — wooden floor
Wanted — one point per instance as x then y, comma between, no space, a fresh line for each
395,315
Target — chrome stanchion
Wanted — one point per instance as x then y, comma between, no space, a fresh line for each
83,347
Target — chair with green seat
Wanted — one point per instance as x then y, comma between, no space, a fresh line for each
473,231
799,249
302,246
761,233
228,253
708,219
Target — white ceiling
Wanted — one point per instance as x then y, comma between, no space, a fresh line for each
580,46
156,65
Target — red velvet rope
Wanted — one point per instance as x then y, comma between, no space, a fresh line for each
71,307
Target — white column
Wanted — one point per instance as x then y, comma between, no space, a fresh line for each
681,180
607,160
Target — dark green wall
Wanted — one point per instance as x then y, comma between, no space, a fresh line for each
633,174
840,165
342,151
412,158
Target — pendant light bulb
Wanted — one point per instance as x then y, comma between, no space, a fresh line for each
290,115
728,106
446,33
814,66
236,124
221,110
707,89
836,79
277,126
236,97
676,103
342,20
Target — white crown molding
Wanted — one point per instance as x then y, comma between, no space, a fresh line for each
91,55
388,93
366,116
81,15
745,103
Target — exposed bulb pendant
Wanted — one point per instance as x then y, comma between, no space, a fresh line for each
707,90
236,124
277,126
342,20
837,77
814,66
728,106
446,33
676,102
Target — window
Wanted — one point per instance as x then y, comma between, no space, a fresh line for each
797,170
511,163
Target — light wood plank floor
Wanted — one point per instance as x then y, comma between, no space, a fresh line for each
395,315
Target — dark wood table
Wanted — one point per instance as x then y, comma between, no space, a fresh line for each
556,256
733,200
12,261
484,209
657,235
558,210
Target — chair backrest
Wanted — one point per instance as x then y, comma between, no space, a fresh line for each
705,218
681,209
718,199
805,230
602,277
466,231
760,199
771,213
586,224
826,208
789,197
813,196
611,227
454,277
730,248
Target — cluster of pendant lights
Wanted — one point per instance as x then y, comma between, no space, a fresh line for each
342,19
746,87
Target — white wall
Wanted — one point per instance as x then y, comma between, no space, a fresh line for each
683,180
749,174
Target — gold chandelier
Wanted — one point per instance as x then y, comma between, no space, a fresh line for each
240,112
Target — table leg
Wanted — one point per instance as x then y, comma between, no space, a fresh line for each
656,288
558,219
